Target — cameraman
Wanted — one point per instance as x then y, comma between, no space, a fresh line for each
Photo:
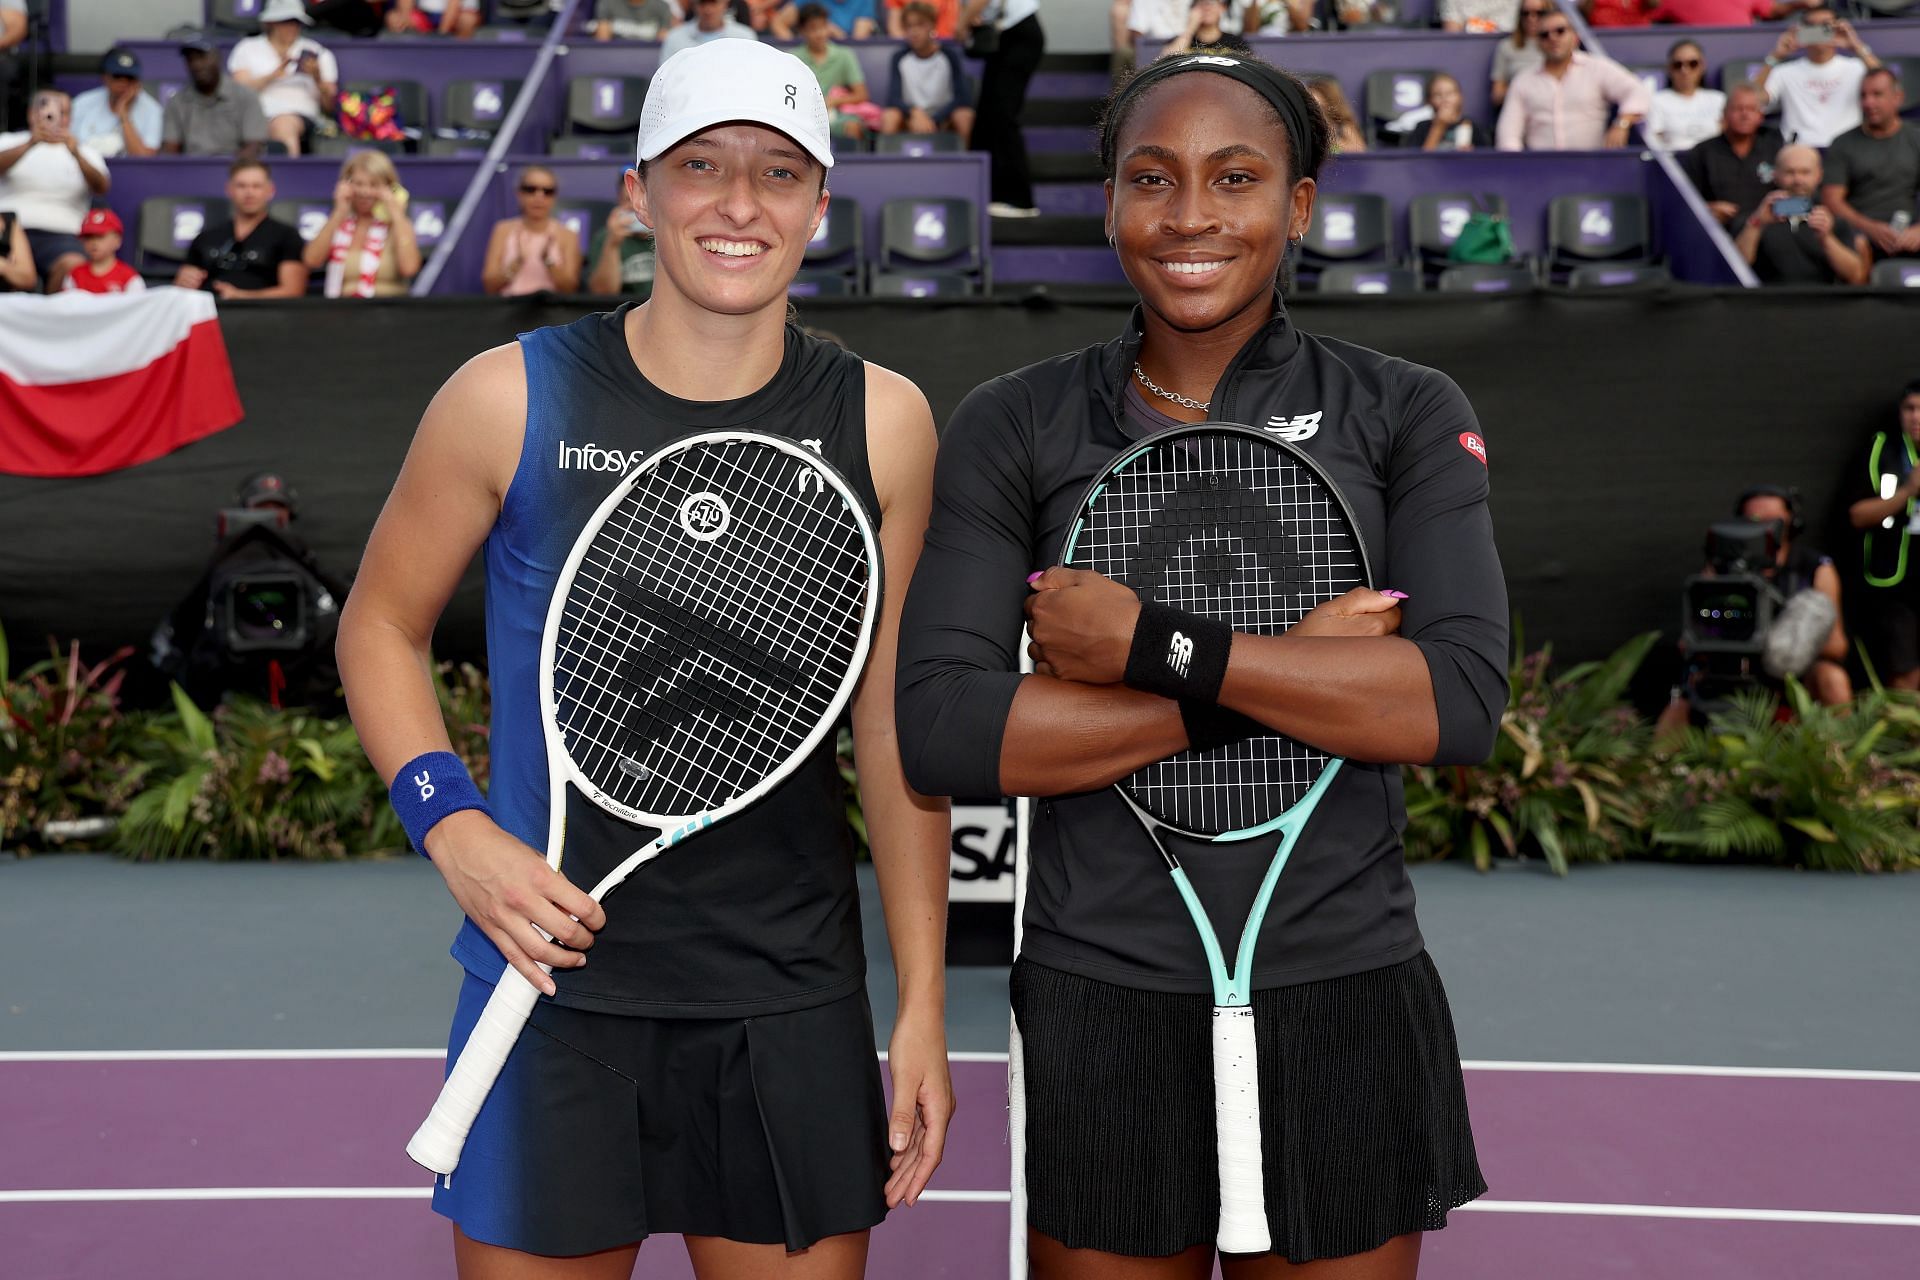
1888,516
1797,566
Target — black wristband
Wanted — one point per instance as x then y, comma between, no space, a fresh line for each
1211,725
1177,654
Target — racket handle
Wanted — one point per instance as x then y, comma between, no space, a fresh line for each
1236,1114
437,1143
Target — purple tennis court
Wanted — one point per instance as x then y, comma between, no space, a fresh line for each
194,1164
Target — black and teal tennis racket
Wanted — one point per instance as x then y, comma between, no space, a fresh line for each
705,633
1226,522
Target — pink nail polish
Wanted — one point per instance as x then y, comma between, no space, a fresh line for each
1034,577
1395,595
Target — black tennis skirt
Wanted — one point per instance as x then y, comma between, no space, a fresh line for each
1363,1113
604,1129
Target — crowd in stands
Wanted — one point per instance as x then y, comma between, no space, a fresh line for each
1817,193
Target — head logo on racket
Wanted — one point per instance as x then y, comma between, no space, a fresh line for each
704,516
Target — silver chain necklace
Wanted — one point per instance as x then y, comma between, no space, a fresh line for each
1165,394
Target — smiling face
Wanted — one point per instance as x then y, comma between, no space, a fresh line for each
732,209
1200,205
1443,95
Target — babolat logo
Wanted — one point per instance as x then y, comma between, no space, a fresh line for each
1295,429
591,457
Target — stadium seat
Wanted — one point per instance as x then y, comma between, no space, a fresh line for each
582,217
168,225
605,104
841,145
589,148
1742,71
1392,94
1479,277
821,284
1606,275
409,98
1367,278
1654,77
1435,220
928,236
458,148
1601,226
304,216
1346,228
1896,273
922,284
835,249
915,144
340,145
478,106
241,17
1908,69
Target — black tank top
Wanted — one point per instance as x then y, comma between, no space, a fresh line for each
761,913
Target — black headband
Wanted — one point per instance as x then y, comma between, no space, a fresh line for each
1287,95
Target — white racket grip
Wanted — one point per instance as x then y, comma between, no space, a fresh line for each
1236,1114
437,1143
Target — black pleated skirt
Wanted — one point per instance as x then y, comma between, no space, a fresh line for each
1363,1112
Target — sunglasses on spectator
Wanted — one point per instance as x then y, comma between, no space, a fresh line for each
1556,31
534,189
1684,64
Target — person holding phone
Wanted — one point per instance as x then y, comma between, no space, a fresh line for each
48,177
622,252
1791,238
1818,95
296,76
367,245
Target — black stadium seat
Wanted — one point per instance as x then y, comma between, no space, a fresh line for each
1608,275
1896,273
921,284
1354,227
1600,226
241,17
409,98
930,236
1368,279
916,144
1435,220
168,224
605,104
477,106
584,217
835,253
1391,94
602,147
1476,277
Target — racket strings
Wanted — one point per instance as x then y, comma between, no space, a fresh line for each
1235,529
687,670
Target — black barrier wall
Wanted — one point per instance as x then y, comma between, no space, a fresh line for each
1617,428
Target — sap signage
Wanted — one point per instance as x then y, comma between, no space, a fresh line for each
981,867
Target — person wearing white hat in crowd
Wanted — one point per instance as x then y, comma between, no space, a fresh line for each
297,77
704,1061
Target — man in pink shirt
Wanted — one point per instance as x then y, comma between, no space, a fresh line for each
1573,101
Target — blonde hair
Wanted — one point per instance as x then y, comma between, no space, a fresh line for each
376,164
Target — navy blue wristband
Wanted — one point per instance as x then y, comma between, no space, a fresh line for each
430,787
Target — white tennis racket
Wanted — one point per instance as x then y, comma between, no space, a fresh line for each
705,634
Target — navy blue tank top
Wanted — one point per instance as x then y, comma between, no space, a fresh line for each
760,914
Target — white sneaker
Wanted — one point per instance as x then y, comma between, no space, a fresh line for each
1000,210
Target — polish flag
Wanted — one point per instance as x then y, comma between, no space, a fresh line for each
96,382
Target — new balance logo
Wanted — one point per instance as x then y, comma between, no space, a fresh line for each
1295,429
1180,653
591,457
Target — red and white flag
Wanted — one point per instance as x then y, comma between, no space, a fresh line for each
96,382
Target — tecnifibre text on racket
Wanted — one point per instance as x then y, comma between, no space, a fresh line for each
1228,523
705,633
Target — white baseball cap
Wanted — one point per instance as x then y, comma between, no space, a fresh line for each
729,80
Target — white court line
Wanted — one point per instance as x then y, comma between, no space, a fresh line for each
1471,1064
1546,1207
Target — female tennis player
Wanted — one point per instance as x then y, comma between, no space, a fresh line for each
1212,162
705,1064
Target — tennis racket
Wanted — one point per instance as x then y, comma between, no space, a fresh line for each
1226,522
705,633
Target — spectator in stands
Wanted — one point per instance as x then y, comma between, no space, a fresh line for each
1344,135
354,17
1204,30
13,56
48,177
367,246
846,19
929,89
102,272
1520,51
1566,103
1479,15
770,19
118,118
1019,43
1800,242
1873,172
710,22
622,252
17,274
946,18
297,78
838,72
1685,113
248,254
457,18
1734,171
1819,95
214,115
632,19
1618,13
1725,13
533,253
1887,517
1445,126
